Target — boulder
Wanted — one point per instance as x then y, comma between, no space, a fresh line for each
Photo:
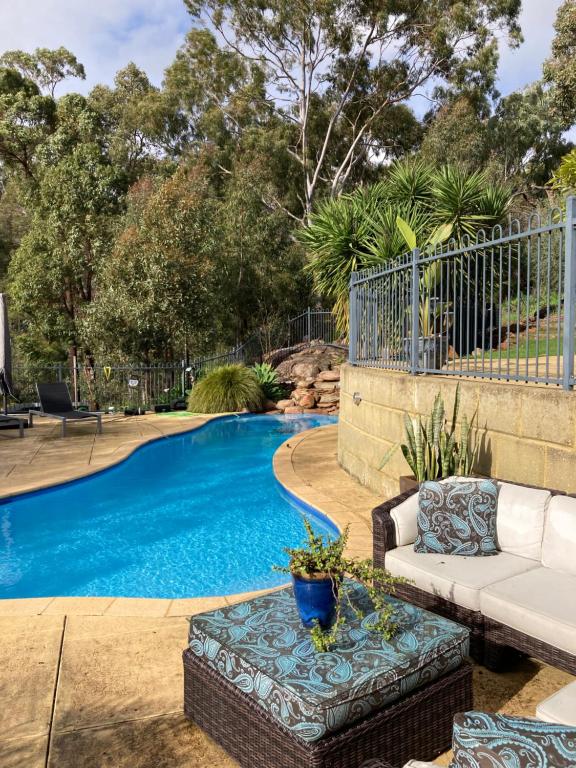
294,409
283,404
326,386
298,394
306,383
308,400
305,369
270,405
332,375
328,399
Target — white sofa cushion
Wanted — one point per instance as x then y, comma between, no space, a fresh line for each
560,707
404,516
453,577
540,603
559,545
520,519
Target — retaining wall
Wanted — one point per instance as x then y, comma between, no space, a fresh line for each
525,433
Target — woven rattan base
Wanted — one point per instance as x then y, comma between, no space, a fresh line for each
416,727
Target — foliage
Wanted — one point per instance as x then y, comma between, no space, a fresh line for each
46,68
564,177
361,61
156,282
268,380
227,389
318,557
432,448
361,230
559,69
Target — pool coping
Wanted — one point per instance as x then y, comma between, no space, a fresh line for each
166,607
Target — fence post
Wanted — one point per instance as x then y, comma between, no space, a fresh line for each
569,292
353,321
415,302
309,324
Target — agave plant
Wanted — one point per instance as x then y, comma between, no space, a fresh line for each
268,380
433,449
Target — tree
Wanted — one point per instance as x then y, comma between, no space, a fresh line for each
26,119
456,134
45,67
75,205
559,70
526,136
333,69
155,284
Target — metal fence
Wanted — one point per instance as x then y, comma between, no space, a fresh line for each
501,306
313,325
140,384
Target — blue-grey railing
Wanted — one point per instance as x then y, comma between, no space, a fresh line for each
500,306
146,383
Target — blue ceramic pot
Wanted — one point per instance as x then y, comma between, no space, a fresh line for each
315,600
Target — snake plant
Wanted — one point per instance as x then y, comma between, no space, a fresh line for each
433,449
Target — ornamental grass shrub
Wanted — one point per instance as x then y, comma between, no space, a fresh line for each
227,388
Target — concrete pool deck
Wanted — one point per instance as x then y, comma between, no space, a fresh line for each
97,682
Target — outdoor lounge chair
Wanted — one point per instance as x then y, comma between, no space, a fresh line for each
55,401
12,420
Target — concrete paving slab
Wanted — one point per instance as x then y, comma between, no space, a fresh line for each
191,606
24,753
109,676
79,606
164,742
25,606
29,657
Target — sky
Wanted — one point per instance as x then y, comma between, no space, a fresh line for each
106,34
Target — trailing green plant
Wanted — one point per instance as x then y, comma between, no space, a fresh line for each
268,380
227,389
326,557
433,449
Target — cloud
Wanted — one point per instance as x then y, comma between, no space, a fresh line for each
522,66
104,34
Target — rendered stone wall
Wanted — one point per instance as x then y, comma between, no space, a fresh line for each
526,433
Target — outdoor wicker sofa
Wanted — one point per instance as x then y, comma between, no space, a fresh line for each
521,600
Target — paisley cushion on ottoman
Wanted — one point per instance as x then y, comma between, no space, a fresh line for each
457,518
501,741
261,647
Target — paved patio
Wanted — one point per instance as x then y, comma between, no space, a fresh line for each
97,682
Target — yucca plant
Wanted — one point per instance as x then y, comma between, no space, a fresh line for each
433,449
226,389
359,230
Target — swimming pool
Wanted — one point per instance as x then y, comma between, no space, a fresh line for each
191,515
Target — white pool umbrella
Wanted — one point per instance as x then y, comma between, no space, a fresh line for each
5,353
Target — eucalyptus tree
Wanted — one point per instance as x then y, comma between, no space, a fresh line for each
559,70
333,68
45,67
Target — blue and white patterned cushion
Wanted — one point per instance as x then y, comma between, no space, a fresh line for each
457,518
261,647
501,741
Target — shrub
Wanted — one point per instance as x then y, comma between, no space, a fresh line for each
268,379
228,388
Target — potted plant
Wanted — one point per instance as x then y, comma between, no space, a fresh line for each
318,571
432,449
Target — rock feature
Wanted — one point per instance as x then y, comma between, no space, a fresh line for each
313,374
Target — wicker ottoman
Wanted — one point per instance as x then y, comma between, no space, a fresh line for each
253,682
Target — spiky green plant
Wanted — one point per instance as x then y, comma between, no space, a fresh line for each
268,380
359,230
226,389
432,449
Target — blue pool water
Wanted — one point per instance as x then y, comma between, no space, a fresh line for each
193,515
